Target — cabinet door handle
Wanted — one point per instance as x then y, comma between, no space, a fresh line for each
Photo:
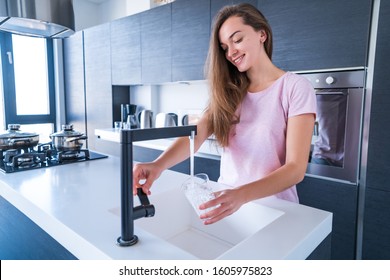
9,54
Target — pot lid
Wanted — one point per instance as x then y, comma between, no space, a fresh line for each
13,131
67,131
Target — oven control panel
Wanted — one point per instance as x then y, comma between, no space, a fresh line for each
340,79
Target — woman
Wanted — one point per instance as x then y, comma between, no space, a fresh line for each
262,116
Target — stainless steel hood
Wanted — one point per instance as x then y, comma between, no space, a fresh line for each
38,18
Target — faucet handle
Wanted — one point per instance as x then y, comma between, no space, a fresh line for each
145,209
143,198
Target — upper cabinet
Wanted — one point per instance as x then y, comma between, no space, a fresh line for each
156,45
216,5
126,50
318,34
74,81
170,43
190,38
98,89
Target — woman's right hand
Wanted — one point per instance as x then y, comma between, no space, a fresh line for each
144,174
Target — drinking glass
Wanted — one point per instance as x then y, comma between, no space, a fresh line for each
198,191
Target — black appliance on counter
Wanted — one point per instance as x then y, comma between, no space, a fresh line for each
20,151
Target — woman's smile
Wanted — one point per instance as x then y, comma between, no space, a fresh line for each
238,59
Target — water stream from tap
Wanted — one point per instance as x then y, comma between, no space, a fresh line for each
192,152
196,187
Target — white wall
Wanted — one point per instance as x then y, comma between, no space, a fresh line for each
171,97
90,13
86,14
137,6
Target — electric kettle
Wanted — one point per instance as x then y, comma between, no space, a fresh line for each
166,119
145,118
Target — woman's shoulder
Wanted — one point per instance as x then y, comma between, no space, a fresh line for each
295,82
294,77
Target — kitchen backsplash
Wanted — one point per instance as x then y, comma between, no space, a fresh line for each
171,97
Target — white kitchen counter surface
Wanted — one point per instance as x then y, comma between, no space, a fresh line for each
74,203
209,149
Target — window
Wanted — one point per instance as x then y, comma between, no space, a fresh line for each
30,69
28,83
2,123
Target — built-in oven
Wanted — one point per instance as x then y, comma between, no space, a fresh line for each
336,142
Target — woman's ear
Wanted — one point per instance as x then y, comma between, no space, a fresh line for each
263,36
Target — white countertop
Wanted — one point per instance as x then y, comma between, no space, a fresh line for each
73,203
209,149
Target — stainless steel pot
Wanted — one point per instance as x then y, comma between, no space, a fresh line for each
13,138
67,139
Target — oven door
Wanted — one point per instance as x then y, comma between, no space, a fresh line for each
335,149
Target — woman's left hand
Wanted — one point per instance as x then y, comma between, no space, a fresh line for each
227,202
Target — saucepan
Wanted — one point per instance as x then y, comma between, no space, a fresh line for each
13,138
67,139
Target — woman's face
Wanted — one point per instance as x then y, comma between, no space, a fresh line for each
243,45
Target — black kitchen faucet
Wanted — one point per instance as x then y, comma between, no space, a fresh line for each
129,213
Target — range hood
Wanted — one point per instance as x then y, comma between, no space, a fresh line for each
38,18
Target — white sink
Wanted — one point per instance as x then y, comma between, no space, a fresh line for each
176,222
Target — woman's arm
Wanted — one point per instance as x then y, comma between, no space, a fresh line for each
298,139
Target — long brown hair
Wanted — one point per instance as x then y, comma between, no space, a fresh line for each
228,86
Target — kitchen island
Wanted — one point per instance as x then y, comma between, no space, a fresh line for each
77,204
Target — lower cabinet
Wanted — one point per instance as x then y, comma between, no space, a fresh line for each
202,165
323,251
376,229
341,200
22,239
142,154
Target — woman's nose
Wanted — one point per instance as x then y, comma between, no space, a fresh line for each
231,52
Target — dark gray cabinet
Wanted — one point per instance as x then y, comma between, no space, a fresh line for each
126,50
202,165
216,5
376,227
98,88
341,200
22,239
88,86
312,35
142,154
74,81
190,38
156,45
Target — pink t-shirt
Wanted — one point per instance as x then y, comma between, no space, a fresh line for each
257,145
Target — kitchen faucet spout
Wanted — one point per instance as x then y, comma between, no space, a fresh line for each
129,213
